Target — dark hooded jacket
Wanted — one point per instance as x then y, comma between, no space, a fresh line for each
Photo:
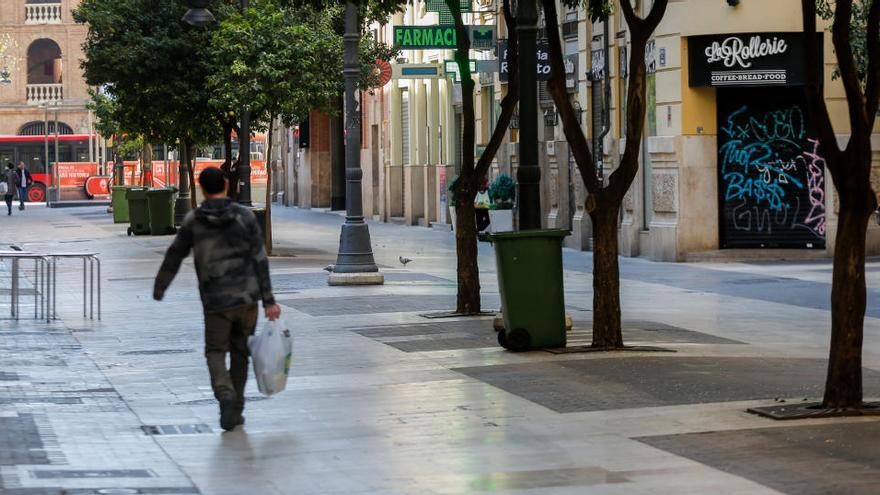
230,257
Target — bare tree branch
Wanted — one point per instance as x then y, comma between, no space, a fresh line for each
849,74
572,128
873,42
636,104
658,10
462,57
815,96
508,103
629,13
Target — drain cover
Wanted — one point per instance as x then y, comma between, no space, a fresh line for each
176,429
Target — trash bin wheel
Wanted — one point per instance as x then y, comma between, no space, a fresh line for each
129,231
519,340
502,338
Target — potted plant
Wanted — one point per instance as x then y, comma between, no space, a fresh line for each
502,192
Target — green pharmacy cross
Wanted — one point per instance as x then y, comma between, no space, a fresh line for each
443,11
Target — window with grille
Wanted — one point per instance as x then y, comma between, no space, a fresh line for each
404,122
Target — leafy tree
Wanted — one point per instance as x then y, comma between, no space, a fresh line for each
465,187
154,67
850,168
858,36
605,198
278,63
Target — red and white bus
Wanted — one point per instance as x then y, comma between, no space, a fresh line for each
79,178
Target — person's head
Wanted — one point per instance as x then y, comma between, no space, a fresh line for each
9,166
484,184
213,183
21,165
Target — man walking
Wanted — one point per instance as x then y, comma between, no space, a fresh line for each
24,180
11,181
233,273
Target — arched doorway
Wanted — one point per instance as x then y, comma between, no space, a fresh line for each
44,72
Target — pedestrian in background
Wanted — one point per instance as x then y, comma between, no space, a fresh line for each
24,180
482,202
233,272
10,178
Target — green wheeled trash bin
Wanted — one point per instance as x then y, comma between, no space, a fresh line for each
119,203
260,213
530,282
161,205
138,211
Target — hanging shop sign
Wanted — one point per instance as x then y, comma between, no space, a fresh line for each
441,37
750,59
542,60
450,67
417,71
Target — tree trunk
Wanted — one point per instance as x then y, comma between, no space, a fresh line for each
843,387
606,278
190,169
267,232
468,300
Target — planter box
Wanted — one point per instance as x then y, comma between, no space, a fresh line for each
502,221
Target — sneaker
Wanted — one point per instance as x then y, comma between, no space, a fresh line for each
228,415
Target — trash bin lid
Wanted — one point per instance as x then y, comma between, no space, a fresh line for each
527,234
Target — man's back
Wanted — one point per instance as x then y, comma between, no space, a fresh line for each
230,257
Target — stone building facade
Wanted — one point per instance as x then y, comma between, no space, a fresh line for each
40,65
730,164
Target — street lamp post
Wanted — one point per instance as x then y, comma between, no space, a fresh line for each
529,173
354,263
244,148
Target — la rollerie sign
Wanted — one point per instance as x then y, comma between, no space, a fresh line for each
750,59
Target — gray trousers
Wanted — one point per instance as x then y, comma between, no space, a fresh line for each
226,332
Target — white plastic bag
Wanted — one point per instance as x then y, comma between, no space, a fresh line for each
272,350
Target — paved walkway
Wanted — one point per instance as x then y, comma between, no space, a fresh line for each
385,401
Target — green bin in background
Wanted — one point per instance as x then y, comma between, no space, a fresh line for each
138,211
530,282
161,206
260,213
119,203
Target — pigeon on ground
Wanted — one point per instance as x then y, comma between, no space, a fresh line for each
329,268
404,261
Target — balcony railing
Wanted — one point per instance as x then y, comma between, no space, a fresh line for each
44,93
42,13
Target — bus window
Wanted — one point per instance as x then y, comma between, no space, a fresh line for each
82,154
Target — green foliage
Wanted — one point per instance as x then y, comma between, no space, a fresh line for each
151,65
276,60
371,51
597,10
858,37
502,192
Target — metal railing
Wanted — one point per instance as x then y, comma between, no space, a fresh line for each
45,283
42,13
90,262
41,282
